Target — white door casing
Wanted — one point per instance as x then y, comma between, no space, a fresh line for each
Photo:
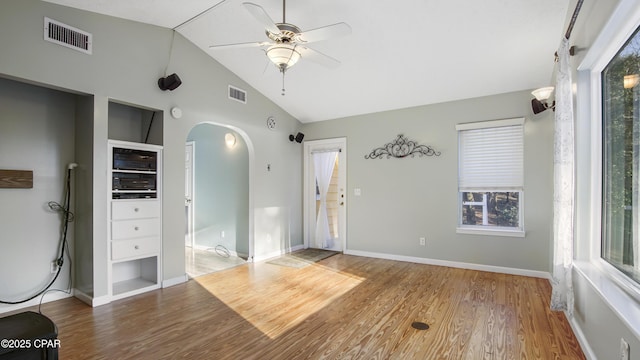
188,192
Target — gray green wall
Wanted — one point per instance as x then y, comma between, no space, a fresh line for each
405,199
36,134
128,123
83,187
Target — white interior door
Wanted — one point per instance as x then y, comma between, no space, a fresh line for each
326,207
188,192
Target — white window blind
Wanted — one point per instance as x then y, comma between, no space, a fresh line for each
491,155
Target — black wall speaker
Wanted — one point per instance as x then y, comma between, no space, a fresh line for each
170,82
298,137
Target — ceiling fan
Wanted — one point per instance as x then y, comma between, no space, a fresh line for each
287,42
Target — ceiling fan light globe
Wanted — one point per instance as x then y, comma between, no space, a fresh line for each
283,56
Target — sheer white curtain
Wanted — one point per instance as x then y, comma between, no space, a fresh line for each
563,186
323,165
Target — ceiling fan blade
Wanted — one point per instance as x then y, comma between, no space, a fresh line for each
239,45
258,12
325,32
317,57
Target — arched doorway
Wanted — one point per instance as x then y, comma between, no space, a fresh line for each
217,199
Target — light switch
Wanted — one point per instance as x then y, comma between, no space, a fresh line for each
357,192
625,353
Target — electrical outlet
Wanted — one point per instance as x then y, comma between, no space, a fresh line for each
625,352
423,241
54,267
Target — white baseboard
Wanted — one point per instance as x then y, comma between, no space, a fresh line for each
175,281
80,295
90,300
47,297
275,254
296,248
584,344
455,264
212,249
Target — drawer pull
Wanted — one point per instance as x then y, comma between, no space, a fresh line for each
132,248
136,209
136,228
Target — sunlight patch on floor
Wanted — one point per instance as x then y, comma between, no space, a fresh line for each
293,301
200,262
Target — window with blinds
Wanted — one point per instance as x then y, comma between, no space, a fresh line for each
491,175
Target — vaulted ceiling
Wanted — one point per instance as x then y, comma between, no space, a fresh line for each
399,54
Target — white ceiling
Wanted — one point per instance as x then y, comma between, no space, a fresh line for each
401,53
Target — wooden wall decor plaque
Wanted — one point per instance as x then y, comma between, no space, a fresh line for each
16,179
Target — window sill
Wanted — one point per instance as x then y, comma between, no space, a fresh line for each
621,302
490,232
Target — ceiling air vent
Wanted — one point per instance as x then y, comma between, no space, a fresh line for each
237,94
65,35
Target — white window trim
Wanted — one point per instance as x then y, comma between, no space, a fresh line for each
491,230
490,124
619,292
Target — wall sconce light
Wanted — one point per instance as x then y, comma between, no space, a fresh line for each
630,81
298,137
229,140
541,101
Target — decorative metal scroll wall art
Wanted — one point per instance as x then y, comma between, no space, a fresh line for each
402,147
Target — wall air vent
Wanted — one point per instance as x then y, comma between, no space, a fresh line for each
65,35
237,94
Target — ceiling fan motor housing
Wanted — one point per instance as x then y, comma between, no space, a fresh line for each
288,33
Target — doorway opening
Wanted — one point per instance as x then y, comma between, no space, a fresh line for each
217,232
325,194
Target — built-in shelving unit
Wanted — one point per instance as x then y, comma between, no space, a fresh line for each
135,223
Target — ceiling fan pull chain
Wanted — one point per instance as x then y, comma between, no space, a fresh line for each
282,82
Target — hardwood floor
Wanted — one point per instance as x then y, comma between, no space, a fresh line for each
200,262
344,307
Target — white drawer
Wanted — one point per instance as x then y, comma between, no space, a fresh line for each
137,228
122,249
122,210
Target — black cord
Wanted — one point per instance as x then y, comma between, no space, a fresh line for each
68,217
222,251
42,298
146,138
